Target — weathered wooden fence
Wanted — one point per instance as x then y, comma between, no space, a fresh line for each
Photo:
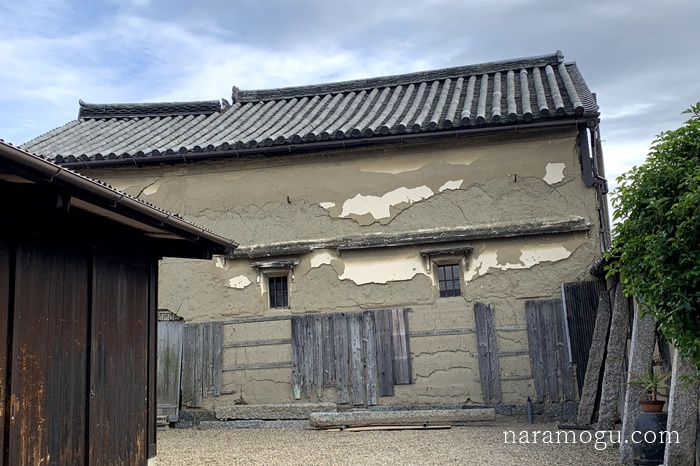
580,308
362,354
201,362
169,368
549,350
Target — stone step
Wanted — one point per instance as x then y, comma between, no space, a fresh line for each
271,412
414,417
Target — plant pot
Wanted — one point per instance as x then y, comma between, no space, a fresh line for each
649,449
652,406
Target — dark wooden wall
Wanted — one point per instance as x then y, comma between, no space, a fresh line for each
77,354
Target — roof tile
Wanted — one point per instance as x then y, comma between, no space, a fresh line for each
512,92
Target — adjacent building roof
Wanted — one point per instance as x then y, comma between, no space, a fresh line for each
527,91
18,168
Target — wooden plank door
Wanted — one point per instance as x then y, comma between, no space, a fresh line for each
118,421
169,368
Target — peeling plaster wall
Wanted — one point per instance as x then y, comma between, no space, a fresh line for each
401,188
448,183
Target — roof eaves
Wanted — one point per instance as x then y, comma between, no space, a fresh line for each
52,172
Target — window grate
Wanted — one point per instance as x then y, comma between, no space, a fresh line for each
448,280
279,292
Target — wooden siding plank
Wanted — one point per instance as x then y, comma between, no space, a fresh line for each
580,306
170,334
564,367
401,358
384,352
153,357
49,372
250,320
340,332
188,355
198,364
207,345
251,343
547,328
370,356
328,353
482,343
6,251
249,367
119,370
493,356
297,353
356,367
217,356
489,368
534,338
407,343
441,332
318,354
70,388
308,355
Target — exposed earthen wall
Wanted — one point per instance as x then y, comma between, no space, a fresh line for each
497,180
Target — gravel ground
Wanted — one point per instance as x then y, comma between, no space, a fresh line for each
299,446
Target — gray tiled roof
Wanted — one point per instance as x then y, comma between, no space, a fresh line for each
515,92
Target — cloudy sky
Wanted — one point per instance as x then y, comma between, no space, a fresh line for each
641,57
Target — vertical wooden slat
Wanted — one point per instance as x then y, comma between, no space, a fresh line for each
308,354
328,353
599,342
340,332
217,356
188,364
494,364
370,356
170,334
401,359
534,339
384,352
153,357
206,358
297,355
581,304
489,368
27,439
407,344
356,368
318,355
565,370
482,344
547,329
197,364
5,286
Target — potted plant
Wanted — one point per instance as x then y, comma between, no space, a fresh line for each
651,381
651,419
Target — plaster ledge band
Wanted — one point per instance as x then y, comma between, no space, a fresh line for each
410,238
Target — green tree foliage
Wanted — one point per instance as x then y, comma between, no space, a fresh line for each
656,247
